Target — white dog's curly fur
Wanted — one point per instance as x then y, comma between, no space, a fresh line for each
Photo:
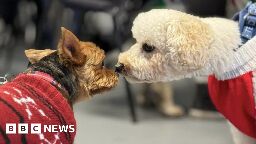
183,45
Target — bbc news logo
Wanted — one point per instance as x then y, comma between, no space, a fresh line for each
36,128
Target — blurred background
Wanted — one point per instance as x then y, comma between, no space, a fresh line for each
163,113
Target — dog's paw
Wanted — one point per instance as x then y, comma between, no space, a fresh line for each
172,111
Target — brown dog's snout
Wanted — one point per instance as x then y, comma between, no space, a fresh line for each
119,67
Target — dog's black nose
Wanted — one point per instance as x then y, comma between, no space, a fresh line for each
119,67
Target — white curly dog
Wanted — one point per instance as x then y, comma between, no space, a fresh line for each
172,45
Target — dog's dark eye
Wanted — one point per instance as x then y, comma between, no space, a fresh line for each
147,48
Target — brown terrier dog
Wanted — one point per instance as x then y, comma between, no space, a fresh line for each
45,92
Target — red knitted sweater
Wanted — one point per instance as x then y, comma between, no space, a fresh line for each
235,100
31,99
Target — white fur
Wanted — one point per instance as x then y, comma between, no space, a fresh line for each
240,138
220,58
186,46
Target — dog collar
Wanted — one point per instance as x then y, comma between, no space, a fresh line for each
3,80
48,78
6,78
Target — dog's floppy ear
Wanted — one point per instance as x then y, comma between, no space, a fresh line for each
188,41
34,55
69,47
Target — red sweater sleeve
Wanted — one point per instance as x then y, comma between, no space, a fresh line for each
234,99
30,99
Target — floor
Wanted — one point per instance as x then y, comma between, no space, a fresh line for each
105,119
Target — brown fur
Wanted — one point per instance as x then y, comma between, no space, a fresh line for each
85,60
